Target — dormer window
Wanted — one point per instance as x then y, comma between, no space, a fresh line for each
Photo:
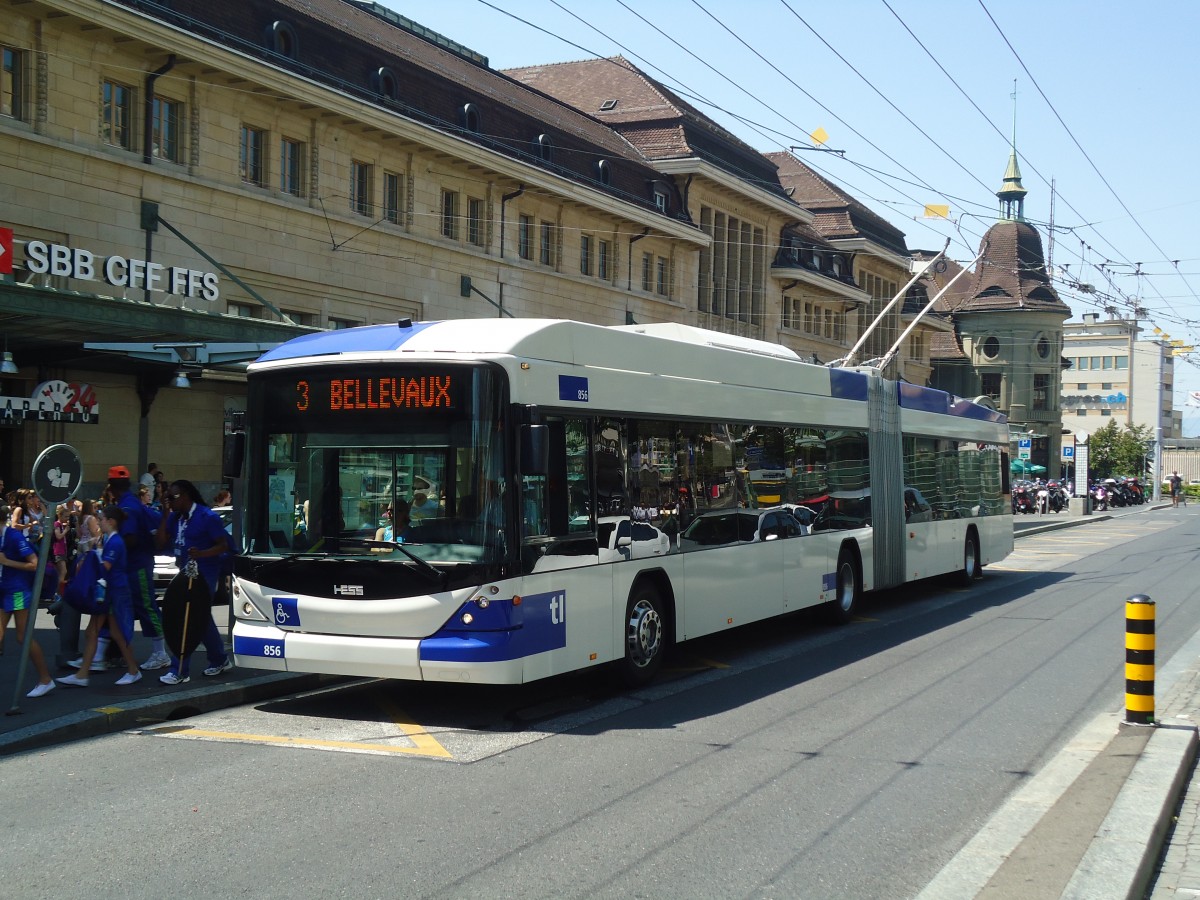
385,84
470,118
837,266
661,195
281,39
543,147
604,172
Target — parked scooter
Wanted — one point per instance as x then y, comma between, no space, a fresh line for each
1022,499
1100,497
1135,489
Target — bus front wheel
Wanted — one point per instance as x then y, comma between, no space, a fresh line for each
849,588
645,637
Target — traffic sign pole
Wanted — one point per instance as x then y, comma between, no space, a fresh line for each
57,476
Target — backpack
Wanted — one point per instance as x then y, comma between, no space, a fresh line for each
80,592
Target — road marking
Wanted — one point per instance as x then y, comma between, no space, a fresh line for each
423,743
424,749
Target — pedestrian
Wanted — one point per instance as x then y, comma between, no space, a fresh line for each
138,532
195,532
20,562
114,584
59,545
223,498
149,477
1175,483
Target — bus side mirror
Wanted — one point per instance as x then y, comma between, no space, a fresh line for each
232,453
535,450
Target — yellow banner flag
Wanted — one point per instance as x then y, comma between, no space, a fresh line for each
820,136
937,211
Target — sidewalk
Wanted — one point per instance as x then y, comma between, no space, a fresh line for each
102,707
1096,822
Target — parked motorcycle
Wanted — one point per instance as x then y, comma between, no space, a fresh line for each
1057,497
1100,497
1023,501
1135,490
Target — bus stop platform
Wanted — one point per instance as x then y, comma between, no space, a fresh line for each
103,707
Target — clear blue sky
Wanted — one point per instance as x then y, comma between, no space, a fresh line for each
1105,108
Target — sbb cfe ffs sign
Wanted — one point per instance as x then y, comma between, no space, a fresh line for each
83,265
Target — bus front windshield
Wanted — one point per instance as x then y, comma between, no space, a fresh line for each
380,462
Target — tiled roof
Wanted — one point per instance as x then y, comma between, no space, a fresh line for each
1012,275
839,215
349,18
655,119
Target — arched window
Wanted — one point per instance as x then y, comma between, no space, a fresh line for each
603,171
470,118
543,147
385,84
281,38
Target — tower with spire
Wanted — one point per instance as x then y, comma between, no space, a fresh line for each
1008,325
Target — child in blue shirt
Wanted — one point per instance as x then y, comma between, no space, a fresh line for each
116,592
19,563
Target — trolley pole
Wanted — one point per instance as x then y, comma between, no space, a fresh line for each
1139,660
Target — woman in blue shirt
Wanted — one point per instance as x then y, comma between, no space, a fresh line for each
197,533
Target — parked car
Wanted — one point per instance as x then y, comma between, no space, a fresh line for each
721,527
164,563
622,538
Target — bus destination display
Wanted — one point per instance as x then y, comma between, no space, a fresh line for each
381,393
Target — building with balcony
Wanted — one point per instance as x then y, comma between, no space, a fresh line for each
201,172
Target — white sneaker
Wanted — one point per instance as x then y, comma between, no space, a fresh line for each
41,690
172,678
76,663
223,667
158,660
99,665
72,681
127,678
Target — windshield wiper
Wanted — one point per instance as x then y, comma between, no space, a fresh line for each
426,567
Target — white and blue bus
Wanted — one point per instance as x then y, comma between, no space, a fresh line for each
578,495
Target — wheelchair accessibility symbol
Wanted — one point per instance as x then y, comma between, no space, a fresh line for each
287,613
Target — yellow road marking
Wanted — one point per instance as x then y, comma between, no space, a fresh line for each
423,749
426,743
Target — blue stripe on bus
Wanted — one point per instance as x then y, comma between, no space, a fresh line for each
913,396
969,410
544,628
845,385
346,340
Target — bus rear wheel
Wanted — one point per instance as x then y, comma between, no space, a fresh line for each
971,568
848,590
645,637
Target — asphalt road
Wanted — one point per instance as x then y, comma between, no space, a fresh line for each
784,760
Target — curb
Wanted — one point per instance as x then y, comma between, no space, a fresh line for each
1120,860
177,705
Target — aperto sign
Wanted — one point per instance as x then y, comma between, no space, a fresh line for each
53,401
42,258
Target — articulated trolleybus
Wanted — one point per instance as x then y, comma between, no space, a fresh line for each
504,500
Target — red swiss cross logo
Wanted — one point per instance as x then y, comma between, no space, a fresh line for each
6,251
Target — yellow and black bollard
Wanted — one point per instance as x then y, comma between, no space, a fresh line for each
1139,660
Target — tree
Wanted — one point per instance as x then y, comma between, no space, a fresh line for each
1114,451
